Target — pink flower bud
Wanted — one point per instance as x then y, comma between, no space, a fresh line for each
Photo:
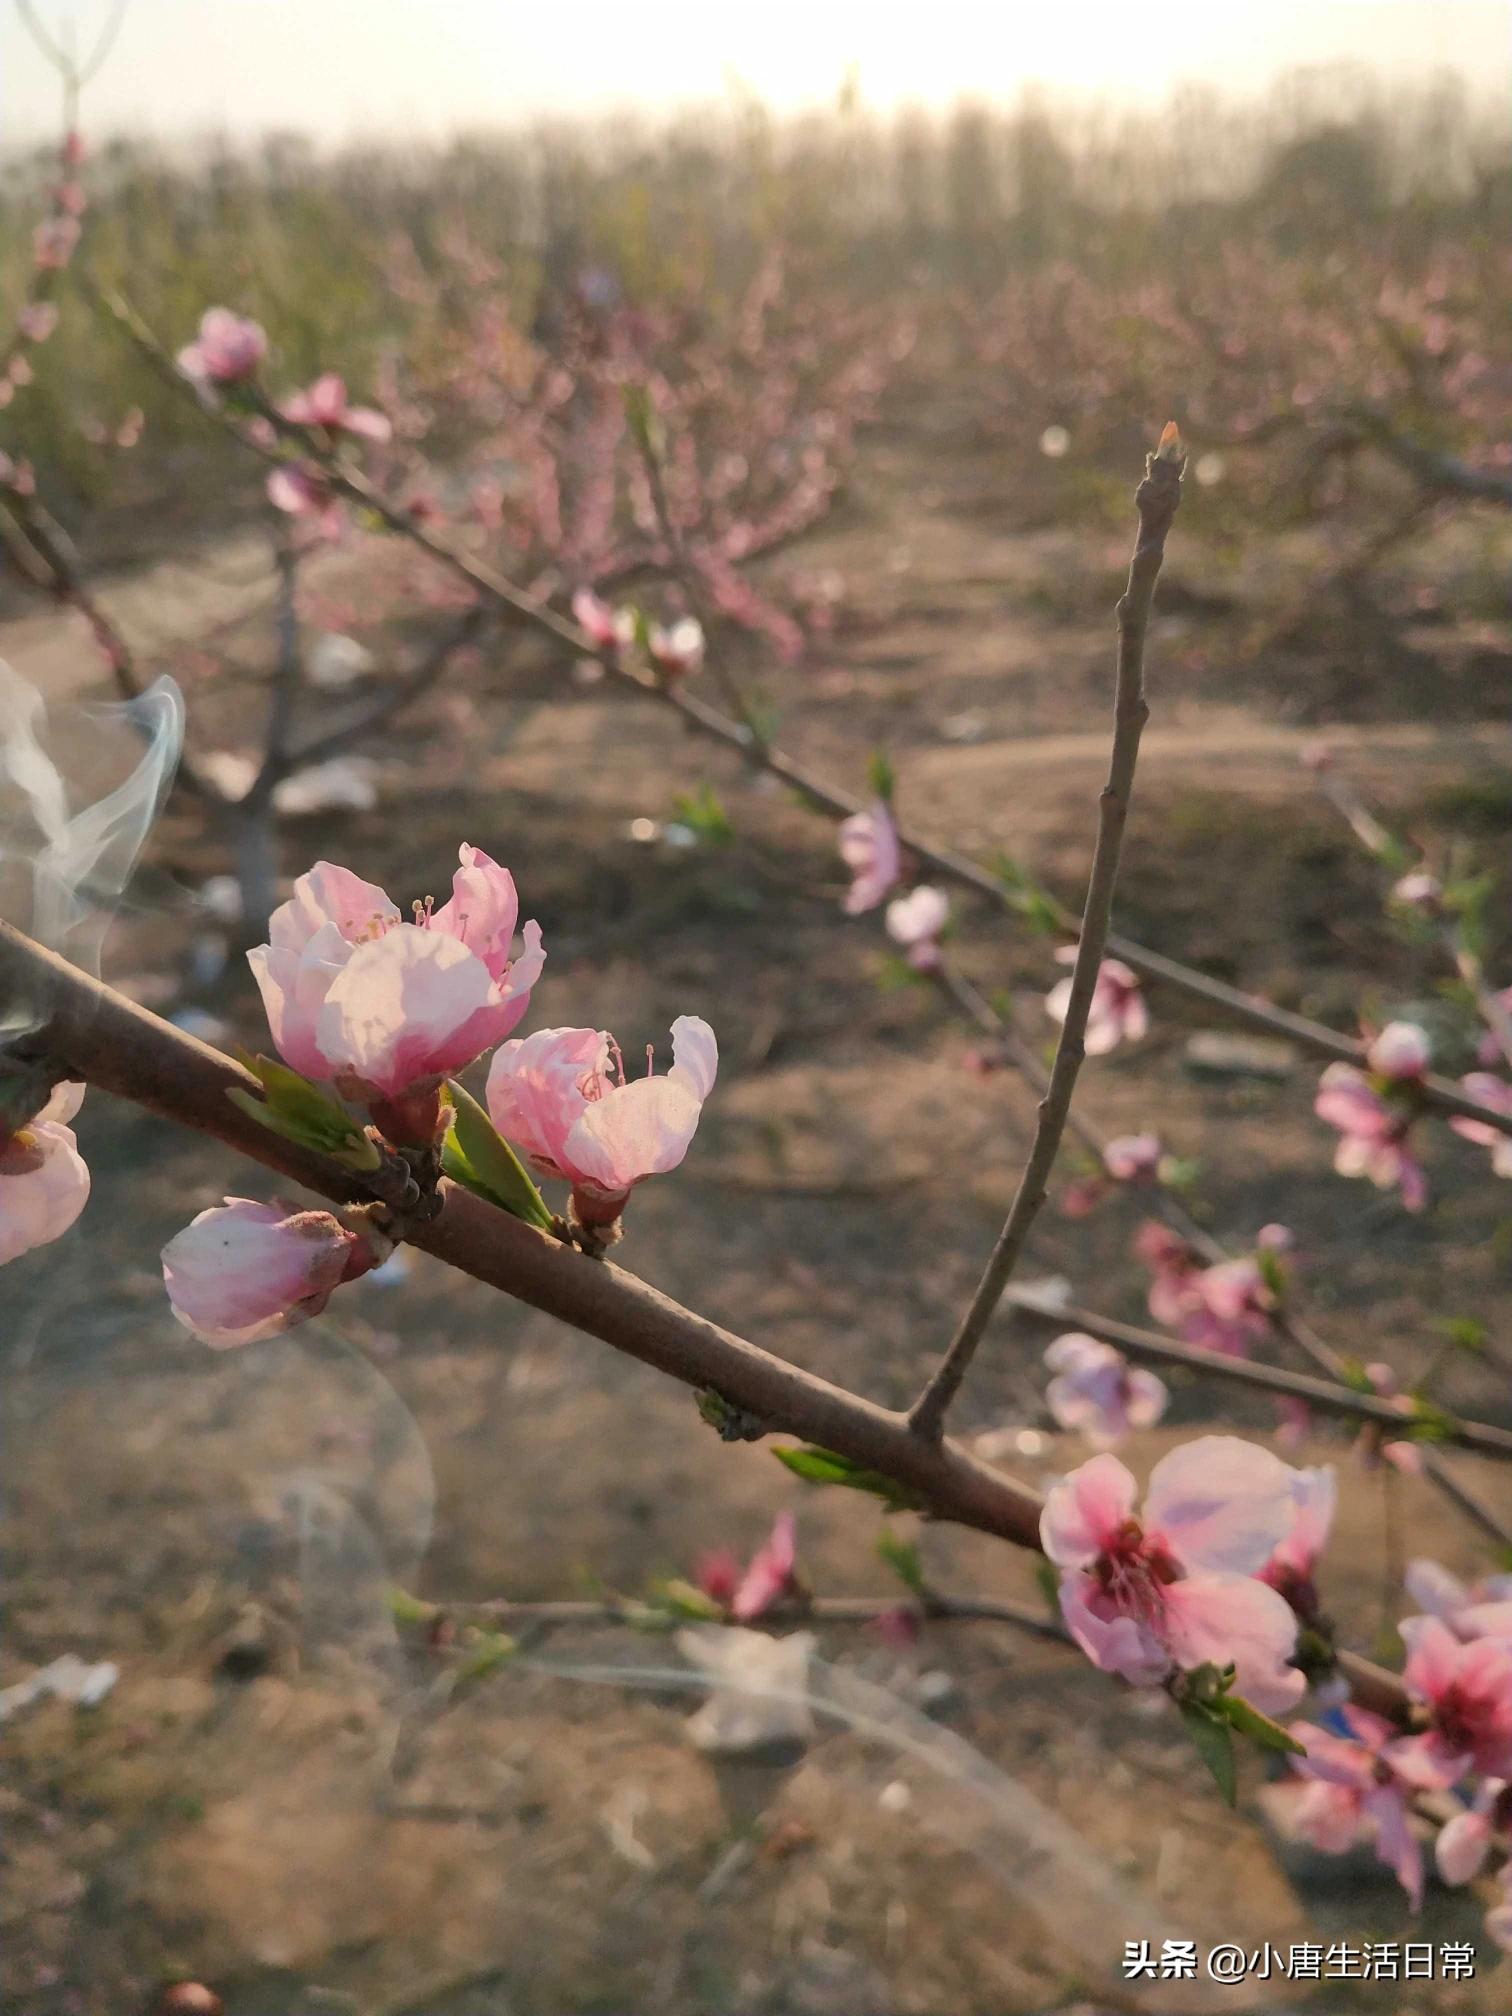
44,1181
54,242
1401,1051
1132,1158
677,649
1462,1847
244,1271
37,321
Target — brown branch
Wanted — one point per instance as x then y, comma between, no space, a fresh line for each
99,1036
1157,500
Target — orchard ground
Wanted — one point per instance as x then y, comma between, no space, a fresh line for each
276,1796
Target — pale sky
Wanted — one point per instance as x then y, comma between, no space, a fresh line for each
421,68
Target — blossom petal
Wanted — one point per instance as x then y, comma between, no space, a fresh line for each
1220,1503
1085,1510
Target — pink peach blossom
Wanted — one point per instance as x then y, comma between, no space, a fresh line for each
562,1096
1467,1691
1353,1788
1097,1393
1372,1134
1489,1050
869,847
609,629
380,1006
244,1271
54,242
1496,1093
227,351
1175,1589
770,1575
1481,1609
44,1180
1465,1842
915,922
1292,1568
1118,1012
324,404
303,493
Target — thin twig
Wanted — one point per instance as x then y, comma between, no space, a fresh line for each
1151,1347
1156,500
936,1607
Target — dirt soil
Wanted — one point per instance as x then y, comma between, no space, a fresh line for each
281,1796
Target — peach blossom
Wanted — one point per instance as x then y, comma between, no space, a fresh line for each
381,1006
227,351
324,404
1176,1589
869,848
562,1096
1118,1012
44,1180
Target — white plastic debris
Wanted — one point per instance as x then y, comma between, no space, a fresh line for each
69,1678
758,1687
345,784
335,660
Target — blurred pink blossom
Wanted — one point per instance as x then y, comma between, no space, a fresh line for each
1353,1788
915,922
324,404
1118,1012
1097,1393
869,847
1496,1093
37,320
1372,1134
227,351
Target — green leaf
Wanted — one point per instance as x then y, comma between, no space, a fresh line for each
1272,1271
1259,1728
1026,896
702,813
407,1609
823,1466
894,974
678,1598
1428,1422
474,1155
902,1556
1215,1746
1465,1333
299,1111
495,1649
1048,1578
881,776
1353,1375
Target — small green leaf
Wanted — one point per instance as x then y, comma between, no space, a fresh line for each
407,1609
1272,1271
894,974
702,813
1215,1746
881,776
1259,1728
1048,1578
474,1155
495,1649
678,1598
298,1111
1353,1375
823,1466
902,1556
1465,1333
1428,1422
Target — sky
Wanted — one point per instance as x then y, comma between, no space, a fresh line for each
422,68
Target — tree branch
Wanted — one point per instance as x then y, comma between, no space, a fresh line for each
1157,500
